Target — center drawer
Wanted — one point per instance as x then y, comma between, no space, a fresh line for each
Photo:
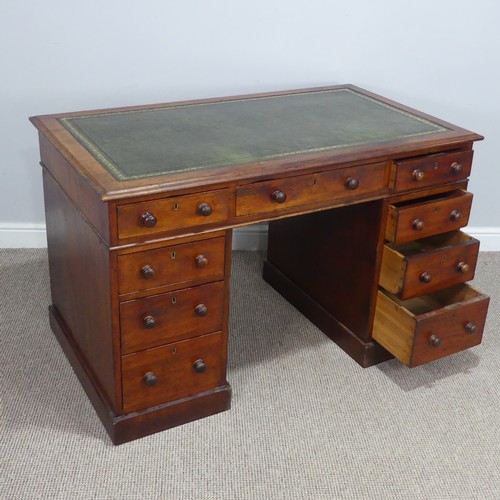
432,326
167,317
280,194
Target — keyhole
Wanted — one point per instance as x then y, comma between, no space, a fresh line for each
176,206
174,350
174,300
173,255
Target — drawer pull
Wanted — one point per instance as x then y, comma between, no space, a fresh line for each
278,196
149,321
205,209
455,215
456,168
200,366
151,379
201,261
147,271
351,183
418,175
434,341
470,327
148,219
417,224
425,278
201,310
462,267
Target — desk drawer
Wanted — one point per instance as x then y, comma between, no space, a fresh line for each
423,266
281,194
171,265
430,327
164,318
432,170
420,218
173,371
151,217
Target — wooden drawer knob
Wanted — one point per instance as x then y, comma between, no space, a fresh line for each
147,271
417,224
201,261
278,196
456,168
351,183
149,321
470,327
425,278
200,366
151,379
205,209
434,341
462,267
455,215
148,219
418,175
201,310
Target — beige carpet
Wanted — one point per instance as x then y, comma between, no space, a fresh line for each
307,422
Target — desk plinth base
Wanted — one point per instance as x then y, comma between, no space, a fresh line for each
364,353
125,428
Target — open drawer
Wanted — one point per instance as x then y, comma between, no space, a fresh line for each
424,266
415,219
432,326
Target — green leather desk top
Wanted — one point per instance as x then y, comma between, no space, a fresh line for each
151,142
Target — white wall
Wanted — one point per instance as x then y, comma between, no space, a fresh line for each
440,56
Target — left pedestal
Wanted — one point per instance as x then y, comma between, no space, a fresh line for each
150,352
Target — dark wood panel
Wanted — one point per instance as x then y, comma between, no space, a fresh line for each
76,188
332,256
80,284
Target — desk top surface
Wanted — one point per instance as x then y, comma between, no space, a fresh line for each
199,138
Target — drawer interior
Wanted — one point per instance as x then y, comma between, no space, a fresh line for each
432,243
432,198
437,300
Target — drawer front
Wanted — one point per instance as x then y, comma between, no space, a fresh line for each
168,317
430,264
171,265
430,327
432,170
173,372
324,187
419,219
151,217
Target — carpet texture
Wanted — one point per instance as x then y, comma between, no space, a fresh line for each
306,423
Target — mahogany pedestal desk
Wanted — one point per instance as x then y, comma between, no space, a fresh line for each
365,199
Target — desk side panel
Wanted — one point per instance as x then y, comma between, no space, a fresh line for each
80,285
75,187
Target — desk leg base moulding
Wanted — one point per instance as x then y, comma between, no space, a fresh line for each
125,428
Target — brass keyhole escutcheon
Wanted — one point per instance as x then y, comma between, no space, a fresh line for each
173,255
175,207
174,350
315,182
174,300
